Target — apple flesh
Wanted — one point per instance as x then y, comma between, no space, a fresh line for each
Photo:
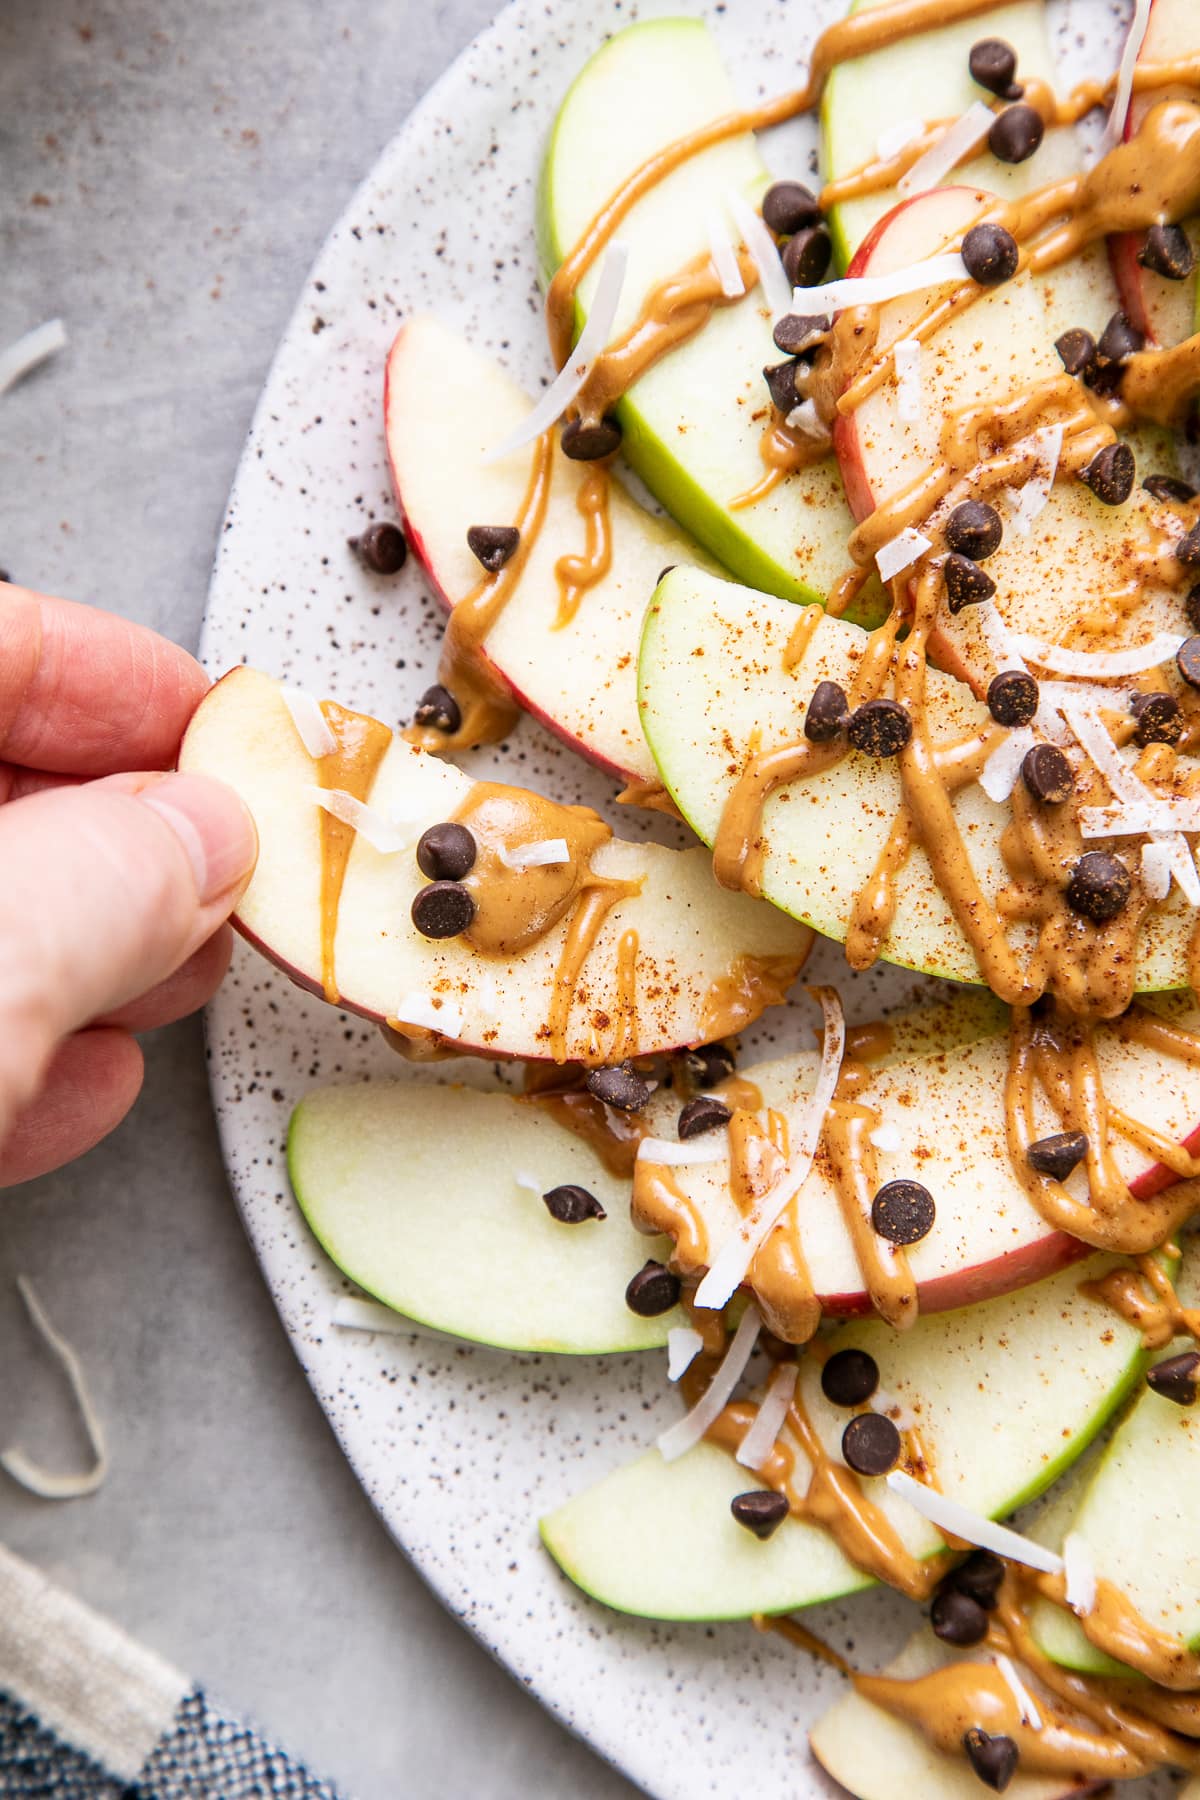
1008,1394
690,935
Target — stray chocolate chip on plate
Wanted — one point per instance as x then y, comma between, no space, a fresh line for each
966,583
1076,349
1047,774
1099,886
1175,1378
1167,251
849,1377
974,529
994,1759
588,443
620,1087
879,728
993,64
871,1444
706,1113
1110,474
1012,697
446,852
903,1212
572,1205
797,332
781,385
653,1291
1159,720
1120,339
990,254
382,548
492,545
1016,134
957,1619
762,1511
438,710
1169,487
788,206
806,256
442,910
1057,1155
709,1064
827,713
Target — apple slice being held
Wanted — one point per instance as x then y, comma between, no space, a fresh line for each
571,945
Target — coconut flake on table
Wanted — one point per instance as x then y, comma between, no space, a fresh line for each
570,378
1098,663
1026,1704
543,853
1080,1572
20,359
874,290
759,1441
387,835
15,1462
1114,129
670,1155
954,145
419,1008
898,137
998,777
1027,502
724,257
777,289
885,1137
687,1432
312,726
901,552
959,1521
683,1347
906,354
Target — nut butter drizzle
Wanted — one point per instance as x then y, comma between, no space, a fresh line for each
361,744
576,574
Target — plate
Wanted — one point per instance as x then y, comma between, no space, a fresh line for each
460,1449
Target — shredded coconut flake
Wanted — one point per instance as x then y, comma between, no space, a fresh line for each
807,419
419,1008
382,833
776,288
759,1440
900,552
954,146
724,257
713,1147
683,1347
998,777
524,1179
1028,502
310,722
898,137
873,290
15,1462
906,354
21,358
1131,820
1081,1574
681,1437
884,1401
1028,1709
1156,869
544,853
1114,128
999,639
951,1516
1098,663
885,1137
575,371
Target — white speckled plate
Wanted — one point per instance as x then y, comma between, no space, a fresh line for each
461,1449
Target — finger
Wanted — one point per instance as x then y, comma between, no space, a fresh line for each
93,1081
87,693
191,986
16,782
105,893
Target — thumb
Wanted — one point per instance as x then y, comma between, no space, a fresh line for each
106,888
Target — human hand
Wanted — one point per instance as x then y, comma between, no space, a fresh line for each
116,879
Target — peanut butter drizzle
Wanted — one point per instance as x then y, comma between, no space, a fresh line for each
800,1639
854,1169
612,1135
1116,1628
651,795
576,574
361,745
596,900
784,449
1145,1297
801,636
751,983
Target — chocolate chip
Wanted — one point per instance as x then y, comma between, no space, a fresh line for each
588,443
701,1115
827,713
966,583
1016,134
442,910
761,1512
572,1205
1187,550
709,1064
994,1759
797,332
980,1577
781,385
1168,251
652,1291
806,256
903,1212
446,852
1012,697
1187,661
1077,350
1169,487
788,206
1159,720
1099,886
1110,474
1048,775
621,1087
1191,608
879,728
1120,339
871,1444
990,254
492,545
438,710
1057,1155
1175,1379
849,1377
993,64
381,548
957,1619
974,529
1104,378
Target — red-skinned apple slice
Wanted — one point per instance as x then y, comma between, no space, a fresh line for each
706,961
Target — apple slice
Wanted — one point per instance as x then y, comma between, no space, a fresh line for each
447,405
694,422
1008,1395
713,681
701,959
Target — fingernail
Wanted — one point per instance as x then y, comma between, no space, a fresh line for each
213,826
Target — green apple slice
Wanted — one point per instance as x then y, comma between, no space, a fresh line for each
713,681
693,423
689,935
1008,1394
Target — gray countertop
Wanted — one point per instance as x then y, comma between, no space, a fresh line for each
169,168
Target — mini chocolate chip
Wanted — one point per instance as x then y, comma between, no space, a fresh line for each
652,1291
1057,1155
437,710
879,728
1159,720
797,332
446,852
381,548
1187,550
492,545
980,1577
1191,608
572,1205
709,1064
788,206
1110,474
957,1619
994,1759
1012,697
903,1212
806,256
966,583
621,1087
588,443
993,64
442,910
781,385
1048,775
703,1114
761,1512
1120,338
827,713
1104,378
849,1377
1016,134
990,254
1168,251
1187,661
974,529
1077,350
1099,886
871,1444
1175,1379
1169,487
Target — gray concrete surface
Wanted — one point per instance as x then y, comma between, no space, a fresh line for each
167,169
